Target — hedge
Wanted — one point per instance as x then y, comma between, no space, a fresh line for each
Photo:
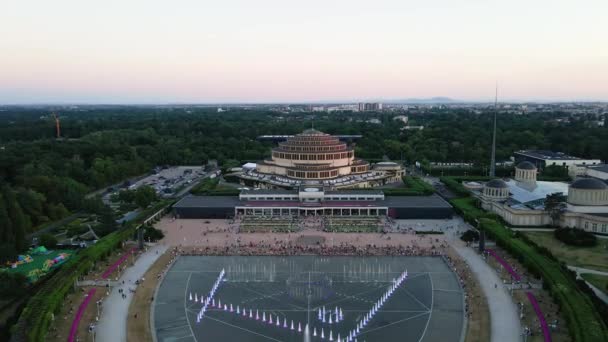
414,186
209,187
461,171
579,308
455,186
36,317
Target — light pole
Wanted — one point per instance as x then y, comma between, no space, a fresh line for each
98,303
92,331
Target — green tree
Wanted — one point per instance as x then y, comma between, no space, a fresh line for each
555,206
556,171
48,240
107,221
144,196
12,285
126,196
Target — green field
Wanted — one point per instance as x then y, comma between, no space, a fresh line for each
38,262
599,281
588,257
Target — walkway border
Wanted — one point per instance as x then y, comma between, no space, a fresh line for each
153,304
541,317
118,262
81,308
531,297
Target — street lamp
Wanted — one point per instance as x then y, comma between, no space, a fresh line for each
98,304
92,330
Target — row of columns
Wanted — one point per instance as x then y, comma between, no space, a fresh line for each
265,211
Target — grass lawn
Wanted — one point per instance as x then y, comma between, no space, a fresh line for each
599,281
588,257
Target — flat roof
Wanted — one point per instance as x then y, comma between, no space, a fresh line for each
269,192
599,167
193,201
432,201
354,192
547,155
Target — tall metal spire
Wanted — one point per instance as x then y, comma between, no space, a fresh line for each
493,159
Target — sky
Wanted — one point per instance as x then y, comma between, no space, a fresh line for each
201,51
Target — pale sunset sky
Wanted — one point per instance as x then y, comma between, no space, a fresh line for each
202,51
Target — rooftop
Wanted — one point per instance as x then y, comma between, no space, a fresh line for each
526,165
589,184
432,201
193,201
599,167
525,193
269,192
545,155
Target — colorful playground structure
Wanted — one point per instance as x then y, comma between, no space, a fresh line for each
38,262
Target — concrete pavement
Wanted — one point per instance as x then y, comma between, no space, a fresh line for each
580,270
112,325
599,293
504,319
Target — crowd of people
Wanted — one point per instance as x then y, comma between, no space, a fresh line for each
281,248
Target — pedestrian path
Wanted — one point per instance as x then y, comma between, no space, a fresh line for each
504,319
112,325
580,270
599,293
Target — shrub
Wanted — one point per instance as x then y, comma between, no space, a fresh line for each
48,240
470,236
12,285
153,234
585,317
575,237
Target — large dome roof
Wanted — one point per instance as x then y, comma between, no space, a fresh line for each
588,184
496,183
526,165
312,131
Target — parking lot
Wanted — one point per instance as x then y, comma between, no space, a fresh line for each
168,181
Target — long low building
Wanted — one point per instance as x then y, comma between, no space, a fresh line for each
313,201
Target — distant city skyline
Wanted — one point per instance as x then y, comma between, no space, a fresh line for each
270,51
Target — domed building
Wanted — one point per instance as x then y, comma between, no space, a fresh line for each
525,172
587,206
588,192
314,157
521,201
496,189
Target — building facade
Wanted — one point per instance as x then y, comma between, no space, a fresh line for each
311,200
542,159
313,155
317,157
520,202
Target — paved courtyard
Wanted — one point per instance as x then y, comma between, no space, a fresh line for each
427,306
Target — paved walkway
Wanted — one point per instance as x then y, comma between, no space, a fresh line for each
580,270
504,318
112,325
599,293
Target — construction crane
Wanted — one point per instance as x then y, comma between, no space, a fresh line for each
57,126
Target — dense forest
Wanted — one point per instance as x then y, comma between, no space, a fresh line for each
43,179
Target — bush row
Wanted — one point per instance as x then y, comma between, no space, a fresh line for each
209,187
36,317
579,308
455,186
414,186
461,171
575,237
